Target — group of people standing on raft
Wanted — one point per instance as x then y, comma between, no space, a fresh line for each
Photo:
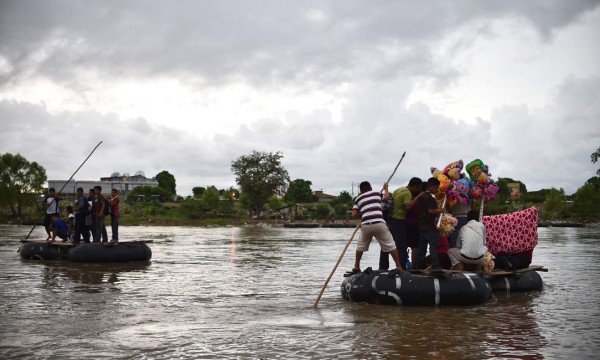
85,219
412,223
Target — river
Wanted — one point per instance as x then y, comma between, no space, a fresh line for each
247,293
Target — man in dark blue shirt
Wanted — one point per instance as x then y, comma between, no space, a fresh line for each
59,228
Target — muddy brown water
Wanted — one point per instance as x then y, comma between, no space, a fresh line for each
247,293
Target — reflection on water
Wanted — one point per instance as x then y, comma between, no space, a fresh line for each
247,293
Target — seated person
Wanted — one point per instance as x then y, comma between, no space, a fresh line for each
470,245
59,228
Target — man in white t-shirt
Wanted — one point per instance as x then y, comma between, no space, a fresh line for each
470,245
50,202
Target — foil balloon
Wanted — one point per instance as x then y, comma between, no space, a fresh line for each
453,170
453,196
445,185
478,172
435,171
462,187
476,191
491,191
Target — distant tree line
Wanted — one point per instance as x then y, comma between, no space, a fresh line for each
265,186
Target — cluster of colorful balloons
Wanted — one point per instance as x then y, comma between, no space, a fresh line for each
455,187
481,182
451,185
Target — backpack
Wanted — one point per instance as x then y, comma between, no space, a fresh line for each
511,262
386,207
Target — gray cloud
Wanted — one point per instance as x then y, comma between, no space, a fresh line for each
374,50
266,43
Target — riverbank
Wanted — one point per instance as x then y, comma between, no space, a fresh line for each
221,222
208,222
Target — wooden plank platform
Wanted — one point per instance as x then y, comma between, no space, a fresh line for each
448,273
54,243
500,272
68,244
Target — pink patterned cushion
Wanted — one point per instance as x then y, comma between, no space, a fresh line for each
512,233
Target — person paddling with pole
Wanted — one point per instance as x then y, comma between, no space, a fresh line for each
52,204
354,233
367,206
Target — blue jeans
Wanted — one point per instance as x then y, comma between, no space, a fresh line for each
431,238
114,224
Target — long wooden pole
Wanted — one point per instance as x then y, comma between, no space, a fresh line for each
443,207
65,184
335,267
481,208
348,243
396,168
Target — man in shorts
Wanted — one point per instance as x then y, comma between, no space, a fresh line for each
367,206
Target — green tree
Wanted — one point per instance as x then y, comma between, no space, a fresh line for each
148,194
274,202
344,197
260,175
342,203
198,191
555,204
166,181
20,180
587,198
322,211
226,204
245,201
299,191
595,157
210,199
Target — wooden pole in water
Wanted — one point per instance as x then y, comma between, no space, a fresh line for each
335,267
396,168
84,161
349,241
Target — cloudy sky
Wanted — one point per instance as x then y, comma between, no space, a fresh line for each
340,88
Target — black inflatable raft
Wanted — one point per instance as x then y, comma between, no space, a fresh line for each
105,252
416,289
86,252
41,250
528,280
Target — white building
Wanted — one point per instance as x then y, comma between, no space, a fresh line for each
123,183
